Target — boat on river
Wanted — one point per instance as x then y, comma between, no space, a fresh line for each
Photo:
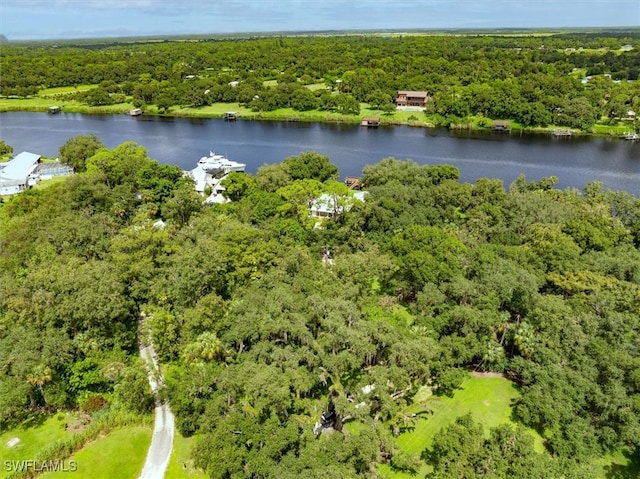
215,164
210,172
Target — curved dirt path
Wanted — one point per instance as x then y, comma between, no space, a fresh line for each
159,452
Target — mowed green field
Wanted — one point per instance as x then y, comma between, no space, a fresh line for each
28,439
119,454
181,465
488,399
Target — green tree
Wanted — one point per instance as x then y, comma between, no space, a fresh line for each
120,165
77,150
133,389
270,177
237,185
311,165
5,149
184,203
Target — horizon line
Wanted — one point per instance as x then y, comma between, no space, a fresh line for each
164,36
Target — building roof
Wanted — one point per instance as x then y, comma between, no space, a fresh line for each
421,94
326,203
200,178
20,166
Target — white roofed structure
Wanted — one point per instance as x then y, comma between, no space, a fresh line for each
17,174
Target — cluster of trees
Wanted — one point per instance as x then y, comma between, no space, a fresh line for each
259,335
524,78
69,308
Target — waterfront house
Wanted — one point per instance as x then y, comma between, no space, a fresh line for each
17,174
412,100
330,206
26,170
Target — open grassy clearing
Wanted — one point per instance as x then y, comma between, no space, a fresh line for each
181,465
42,104
215,110
33,435
47,183
620,465
64,89
120,454
488,399
316,86
30,104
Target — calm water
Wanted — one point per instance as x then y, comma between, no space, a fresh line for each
183,141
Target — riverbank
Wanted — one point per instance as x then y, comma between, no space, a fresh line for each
182,141
218,110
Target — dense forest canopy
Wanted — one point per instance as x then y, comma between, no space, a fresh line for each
265,318
570,80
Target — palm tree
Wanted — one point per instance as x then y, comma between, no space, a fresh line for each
39,376
206,347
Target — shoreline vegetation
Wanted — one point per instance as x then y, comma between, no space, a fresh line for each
398,118
579,83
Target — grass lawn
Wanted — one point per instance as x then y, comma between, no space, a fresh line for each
34,435
488,399
65,89
29,104
316,86
181,464
46,183
620,465
215,110
120,454
43,103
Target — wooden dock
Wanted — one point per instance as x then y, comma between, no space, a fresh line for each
370,122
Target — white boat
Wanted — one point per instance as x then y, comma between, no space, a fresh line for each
632,136
209,173
214,164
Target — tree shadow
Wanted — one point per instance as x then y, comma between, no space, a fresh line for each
34,420
631,470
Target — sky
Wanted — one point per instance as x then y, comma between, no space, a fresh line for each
60,19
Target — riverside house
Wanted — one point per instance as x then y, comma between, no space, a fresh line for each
411,100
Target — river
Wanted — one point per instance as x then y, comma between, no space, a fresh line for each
183,141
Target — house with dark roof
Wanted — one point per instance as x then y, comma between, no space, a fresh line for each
411,100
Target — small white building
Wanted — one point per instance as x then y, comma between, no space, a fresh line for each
328,206
18,173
